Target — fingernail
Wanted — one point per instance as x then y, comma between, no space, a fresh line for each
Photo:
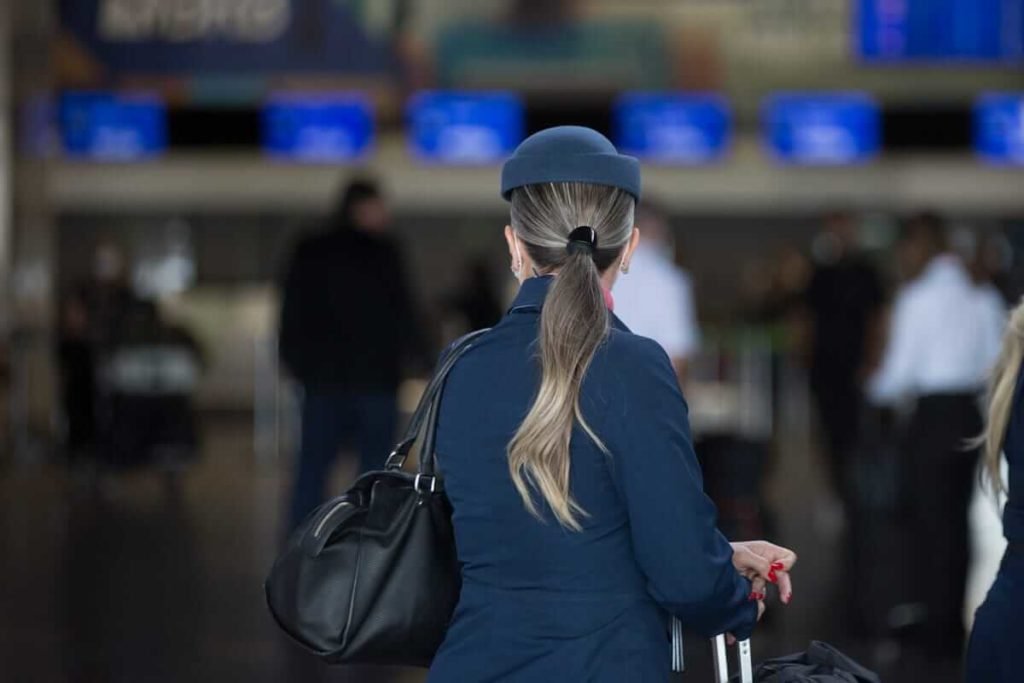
789,596
752,597
772,577
778,565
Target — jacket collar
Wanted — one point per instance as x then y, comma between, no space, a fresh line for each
531,294
534,290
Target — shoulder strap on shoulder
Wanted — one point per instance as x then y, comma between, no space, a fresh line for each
455,351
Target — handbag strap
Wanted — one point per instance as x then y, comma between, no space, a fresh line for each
428,454
400,452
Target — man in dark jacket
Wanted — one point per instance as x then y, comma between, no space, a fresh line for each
845,299
347,325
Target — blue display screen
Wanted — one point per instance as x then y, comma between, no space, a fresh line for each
464,128
317,128
822,129
935,30
673,129
999,128
112,126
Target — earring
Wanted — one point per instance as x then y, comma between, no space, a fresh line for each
517,269
624,267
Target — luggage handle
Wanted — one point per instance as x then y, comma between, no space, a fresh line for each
721,658
719,653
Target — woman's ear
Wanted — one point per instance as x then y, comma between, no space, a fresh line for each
510,239
516,258
627,253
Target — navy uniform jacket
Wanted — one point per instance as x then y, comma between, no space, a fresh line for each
539,602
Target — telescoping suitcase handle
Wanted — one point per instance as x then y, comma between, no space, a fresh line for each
722,660
719,650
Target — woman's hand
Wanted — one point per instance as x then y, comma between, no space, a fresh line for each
763,562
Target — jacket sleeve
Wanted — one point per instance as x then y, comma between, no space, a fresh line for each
687,561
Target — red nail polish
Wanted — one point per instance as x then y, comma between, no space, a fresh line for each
772,577
778,565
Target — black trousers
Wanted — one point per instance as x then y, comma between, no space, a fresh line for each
840,406
332,419
939,476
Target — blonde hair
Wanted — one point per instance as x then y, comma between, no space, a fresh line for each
1002,386
573,324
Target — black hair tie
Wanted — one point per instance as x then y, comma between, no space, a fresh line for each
583,238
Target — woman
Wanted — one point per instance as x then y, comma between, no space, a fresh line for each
993,655
578,510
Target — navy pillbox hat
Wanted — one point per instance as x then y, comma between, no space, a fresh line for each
570,154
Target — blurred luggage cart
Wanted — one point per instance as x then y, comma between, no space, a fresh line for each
147,390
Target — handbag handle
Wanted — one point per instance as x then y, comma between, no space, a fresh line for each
428,456
400,452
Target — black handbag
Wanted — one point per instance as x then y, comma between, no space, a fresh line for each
372,577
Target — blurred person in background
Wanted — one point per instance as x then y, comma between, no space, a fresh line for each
844,299
348,324
991,266
655,299
997,639
108,296
988,258
941,343
91,323
76,358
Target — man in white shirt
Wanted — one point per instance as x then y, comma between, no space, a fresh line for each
942,341
655,299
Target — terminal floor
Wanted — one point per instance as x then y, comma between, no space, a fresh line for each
135,580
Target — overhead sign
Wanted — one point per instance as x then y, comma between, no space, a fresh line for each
464,127
673,129
318,128
822,129
987,30
106,126
999,128
217,37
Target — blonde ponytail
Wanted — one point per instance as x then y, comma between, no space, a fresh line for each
573,324
1000,397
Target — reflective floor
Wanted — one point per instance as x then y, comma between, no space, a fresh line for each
138,578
